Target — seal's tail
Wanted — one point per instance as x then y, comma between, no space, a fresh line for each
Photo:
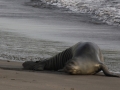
106,72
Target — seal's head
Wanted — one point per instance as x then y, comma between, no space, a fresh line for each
73,66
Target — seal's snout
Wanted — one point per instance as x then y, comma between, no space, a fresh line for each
32,65
28,65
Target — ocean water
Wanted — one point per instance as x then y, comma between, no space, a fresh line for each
17,47
107,11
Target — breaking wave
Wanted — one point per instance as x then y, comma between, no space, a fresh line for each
107,11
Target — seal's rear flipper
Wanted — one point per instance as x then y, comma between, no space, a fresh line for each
106,72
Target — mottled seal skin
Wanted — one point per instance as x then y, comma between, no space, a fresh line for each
84,58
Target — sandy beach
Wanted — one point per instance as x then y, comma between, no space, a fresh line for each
19,79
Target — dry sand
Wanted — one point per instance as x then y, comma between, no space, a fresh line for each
14,78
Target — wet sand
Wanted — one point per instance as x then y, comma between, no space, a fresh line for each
19,79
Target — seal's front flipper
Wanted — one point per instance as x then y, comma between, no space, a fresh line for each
106,72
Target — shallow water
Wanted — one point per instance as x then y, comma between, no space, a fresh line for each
20,48
112,59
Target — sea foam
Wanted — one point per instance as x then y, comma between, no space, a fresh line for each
107,11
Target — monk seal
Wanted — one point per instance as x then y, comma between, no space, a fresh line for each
84,58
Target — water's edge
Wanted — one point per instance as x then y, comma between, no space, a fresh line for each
27,49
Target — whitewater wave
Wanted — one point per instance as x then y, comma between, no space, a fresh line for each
107,11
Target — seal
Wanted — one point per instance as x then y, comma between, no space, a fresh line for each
84,58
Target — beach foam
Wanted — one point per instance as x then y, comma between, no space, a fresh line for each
107,11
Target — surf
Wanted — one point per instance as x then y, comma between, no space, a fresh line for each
107,11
